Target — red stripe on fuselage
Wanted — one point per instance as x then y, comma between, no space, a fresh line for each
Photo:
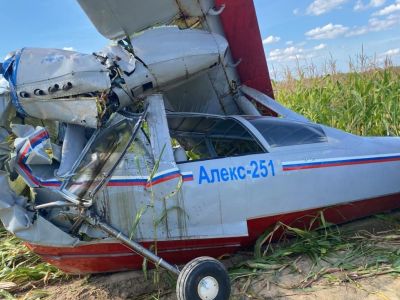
163,179
38,137
24,153
110,257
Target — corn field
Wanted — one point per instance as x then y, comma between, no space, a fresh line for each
364,103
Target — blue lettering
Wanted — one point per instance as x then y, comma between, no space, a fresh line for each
232,173
215,172
241,171
255,169
224,174
263,168
203,175
271,165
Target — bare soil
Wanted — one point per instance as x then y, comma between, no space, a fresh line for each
271,285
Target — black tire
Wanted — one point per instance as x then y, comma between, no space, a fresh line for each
208,270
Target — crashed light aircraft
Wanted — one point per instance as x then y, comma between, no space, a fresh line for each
170,137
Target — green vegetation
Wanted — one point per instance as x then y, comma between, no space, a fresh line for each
364,103
20,268
331,254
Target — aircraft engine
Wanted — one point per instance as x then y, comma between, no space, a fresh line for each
83,89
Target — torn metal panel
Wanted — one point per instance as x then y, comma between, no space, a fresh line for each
12,214
33,145
33,155
115,53
27,225
84,111
73,145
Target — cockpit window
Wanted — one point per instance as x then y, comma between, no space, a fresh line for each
100,156
205,137
279,132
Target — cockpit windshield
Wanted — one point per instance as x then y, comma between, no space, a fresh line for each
100,157
280,132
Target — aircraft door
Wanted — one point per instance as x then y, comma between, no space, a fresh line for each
215,179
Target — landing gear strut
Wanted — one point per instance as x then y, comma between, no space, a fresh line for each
204,278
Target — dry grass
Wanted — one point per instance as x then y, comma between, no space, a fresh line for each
22,269
327,255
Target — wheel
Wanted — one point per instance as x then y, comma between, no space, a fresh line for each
204,278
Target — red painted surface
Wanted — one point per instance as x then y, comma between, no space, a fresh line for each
240,24
111,257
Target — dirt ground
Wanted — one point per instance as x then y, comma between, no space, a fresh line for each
130,285
271,285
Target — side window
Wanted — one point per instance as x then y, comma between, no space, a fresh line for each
196,148
225,147
209,138
280,132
